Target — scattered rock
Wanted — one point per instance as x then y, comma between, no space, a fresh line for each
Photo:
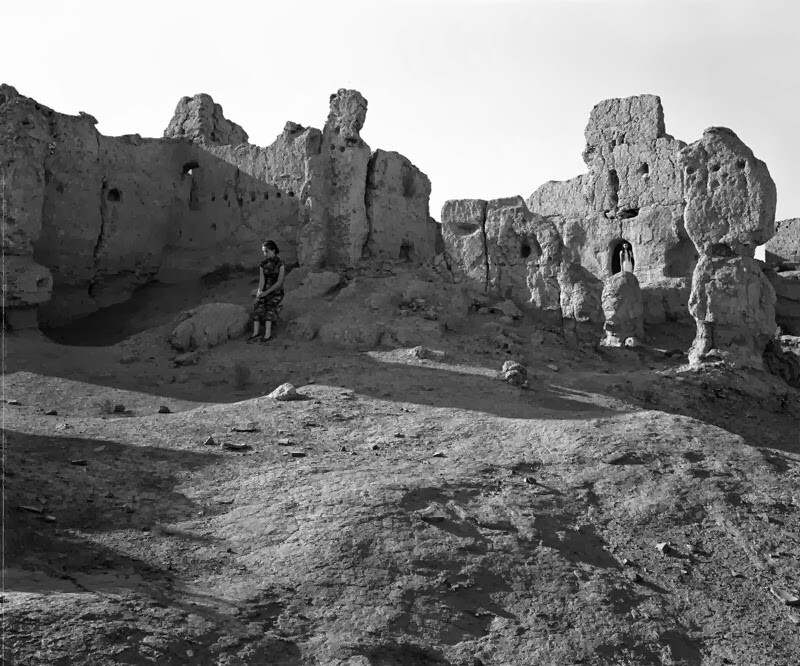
665,548
514,373
210,441
786,597
427,354
285,441
30,509
231,446
163,409
13,402
440,454
431,514
80,462
552,367
51,412
246,427
119,409
297,454
507,308
286,392
49,519
189,358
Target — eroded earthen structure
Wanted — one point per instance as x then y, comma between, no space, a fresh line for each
730,211
90,218
671,204
633,193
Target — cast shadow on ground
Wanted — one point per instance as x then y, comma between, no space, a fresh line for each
90,487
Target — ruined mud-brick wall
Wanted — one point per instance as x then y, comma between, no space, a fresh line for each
633,193
90,218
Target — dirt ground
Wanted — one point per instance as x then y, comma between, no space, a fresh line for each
622,510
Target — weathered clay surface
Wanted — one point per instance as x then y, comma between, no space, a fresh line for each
464,238
783,249
622,307
25,282
633,193
201,119
787,299
109,214
730,196
208,326
397,198
733,304
346,158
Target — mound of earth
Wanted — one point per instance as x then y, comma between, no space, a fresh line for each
413,508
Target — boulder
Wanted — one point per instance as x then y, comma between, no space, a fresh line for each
622,307
733,304
729,193
209,325
514,373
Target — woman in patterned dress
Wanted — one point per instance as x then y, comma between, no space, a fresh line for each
269,294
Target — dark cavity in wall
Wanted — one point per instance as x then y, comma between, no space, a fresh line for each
114,195
612,190
188,168
525,250
616,256
406,250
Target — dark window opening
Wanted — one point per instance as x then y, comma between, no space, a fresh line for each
60,188
612,189
626,213
715,167
240,201
525,251
278,194
114,195
291,194
252,196
341,149
213,226
622,257
194,196
213,197
225,196
406,250
644,169
741,164
189,168
2,99
266,196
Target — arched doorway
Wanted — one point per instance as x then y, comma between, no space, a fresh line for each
617,248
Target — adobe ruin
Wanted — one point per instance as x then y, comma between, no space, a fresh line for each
552,253
89,218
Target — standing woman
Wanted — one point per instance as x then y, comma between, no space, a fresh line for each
270,292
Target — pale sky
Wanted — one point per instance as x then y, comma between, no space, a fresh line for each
488,98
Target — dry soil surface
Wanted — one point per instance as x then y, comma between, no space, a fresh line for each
622,510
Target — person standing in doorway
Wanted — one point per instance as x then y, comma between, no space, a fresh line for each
626,258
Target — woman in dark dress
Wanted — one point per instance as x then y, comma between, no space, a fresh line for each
269,294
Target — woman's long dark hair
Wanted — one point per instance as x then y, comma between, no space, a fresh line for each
272,245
